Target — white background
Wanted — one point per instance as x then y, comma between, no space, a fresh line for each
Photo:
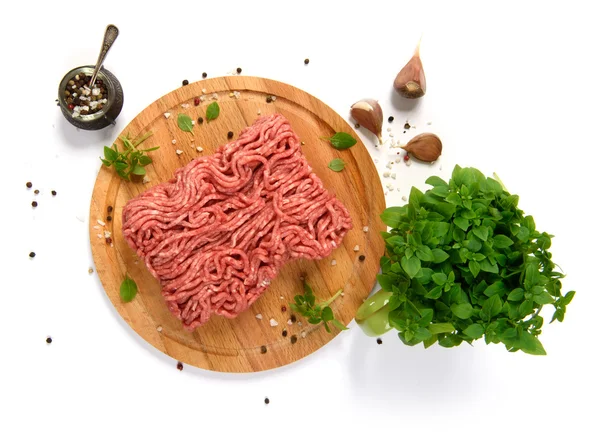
512,88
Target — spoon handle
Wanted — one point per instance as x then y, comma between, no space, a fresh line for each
110,35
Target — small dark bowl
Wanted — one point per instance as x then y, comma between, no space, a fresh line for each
109,112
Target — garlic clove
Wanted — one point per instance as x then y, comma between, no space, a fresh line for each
368,114
426,147
410,81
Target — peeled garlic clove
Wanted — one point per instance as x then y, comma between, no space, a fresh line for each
368,114
410,81
426,147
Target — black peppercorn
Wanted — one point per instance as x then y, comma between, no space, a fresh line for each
109,218
293,318
390,119
263,349
180,366
204,74
269,99
28,184
31,254
306,61
356,125
184,82
33,203
267,401
406,126
200,120
239,70
229,134
109,209
294,339
284,333
53,193
361,258
36,191
48,340
379,341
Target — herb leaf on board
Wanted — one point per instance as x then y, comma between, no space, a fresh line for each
128,289
319,313
213,111
132,160
337,165
184,122
341,140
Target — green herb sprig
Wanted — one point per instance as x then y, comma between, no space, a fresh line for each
315,314
132,160
464,262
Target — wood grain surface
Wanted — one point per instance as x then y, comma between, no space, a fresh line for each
236,345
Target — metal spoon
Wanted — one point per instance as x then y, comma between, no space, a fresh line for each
110,35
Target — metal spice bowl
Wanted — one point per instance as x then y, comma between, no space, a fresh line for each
109,112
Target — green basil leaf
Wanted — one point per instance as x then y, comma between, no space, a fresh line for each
526,308
439,256
424,253
110,154
184,122
436,181
474,268
341,141
488,267
439,278
462,310
474,331
326,314
516,295
543,298
567,298
139,170
338,324
213,111
454,198
492,306
393,216
435,293
437,328
336,165
422,334
497,287
530,344
481,232
128,290
411,266
145,160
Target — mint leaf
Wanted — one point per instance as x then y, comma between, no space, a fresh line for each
128,290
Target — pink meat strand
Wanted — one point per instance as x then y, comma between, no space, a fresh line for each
217,233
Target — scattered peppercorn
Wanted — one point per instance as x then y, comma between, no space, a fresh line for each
269,99
406,126
36,191
379,341
180,366
306,61
391,119
293,318
361,258
108,240
267,401
109,209
263,349
31,254
53,193
109,218
284,333
356,125
196,101
283,308
229,134
184,82
28,184
200,120
239,70
406,157
294,339
48,340
33,203
204,74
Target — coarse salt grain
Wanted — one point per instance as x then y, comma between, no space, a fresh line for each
179,151
428,123
365,229
146,179
386,174
258,112
259,316
398,160
96,91
281,297
96,227
99,236
167,115
107,234
404,198
389,129
193,122
342,294
289,322
100,223
159,329
202,98
184,106
303,333
199,149
214,96
174,142
299,324
273,323
333,262
393,175
204,91
375,160
90,270
236,94
356,248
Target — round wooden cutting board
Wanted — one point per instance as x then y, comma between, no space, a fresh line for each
238,345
